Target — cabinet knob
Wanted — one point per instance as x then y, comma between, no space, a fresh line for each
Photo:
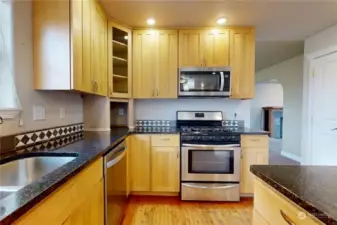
157,92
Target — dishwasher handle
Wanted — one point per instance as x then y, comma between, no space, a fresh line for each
114,161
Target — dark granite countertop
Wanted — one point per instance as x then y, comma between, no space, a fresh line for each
313,188
251,131
94,145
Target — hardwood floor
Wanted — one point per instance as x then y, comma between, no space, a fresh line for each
145,210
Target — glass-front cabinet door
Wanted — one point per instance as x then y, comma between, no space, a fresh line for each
120,43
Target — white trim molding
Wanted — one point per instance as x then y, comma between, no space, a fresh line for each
291,156
9,113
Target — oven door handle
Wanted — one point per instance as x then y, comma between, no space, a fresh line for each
211,146
222,81
210,187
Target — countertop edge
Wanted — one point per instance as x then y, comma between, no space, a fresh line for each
311,209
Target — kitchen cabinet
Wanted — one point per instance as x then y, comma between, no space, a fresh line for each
155,54
271,207
191,48
154,164
69,46
201,48
242,62
79,199
91,211
140,159
119,61
254,152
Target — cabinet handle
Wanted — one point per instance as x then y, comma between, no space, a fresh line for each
153,93
177,155
110,91
165,139
96,86
157,92
286,218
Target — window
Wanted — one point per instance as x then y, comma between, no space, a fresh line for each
9,103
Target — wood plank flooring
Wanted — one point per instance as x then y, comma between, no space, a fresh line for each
171,211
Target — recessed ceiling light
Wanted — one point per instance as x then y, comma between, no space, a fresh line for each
221,21
151,21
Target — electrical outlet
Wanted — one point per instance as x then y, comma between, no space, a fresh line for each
121,111
39,112
62,113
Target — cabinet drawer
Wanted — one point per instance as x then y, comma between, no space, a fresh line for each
276,209
165,140
57,207
254,141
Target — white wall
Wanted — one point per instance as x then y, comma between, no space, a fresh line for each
166,109
290,75
23,70
317,45
266,94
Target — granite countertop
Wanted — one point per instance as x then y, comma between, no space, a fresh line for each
313,188
91,147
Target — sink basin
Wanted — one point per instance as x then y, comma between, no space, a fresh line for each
19,173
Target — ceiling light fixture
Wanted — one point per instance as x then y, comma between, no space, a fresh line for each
221,21
150,21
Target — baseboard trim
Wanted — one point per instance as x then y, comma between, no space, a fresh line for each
291,156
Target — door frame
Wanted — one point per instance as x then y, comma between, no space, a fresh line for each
310,61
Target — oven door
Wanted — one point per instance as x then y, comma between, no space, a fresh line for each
218,163
204,82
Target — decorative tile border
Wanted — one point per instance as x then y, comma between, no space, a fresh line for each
23,141
35,137
155,123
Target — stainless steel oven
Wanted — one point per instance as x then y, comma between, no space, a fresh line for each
210,172
204,82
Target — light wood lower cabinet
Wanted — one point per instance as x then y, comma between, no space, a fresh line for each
255,151
271,207
91,211
154,168
79,199
165,169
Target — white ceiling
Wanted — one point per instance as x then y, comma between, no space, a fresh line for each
279,23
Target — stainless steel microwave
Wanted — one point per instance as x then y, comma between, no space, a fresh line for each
204,82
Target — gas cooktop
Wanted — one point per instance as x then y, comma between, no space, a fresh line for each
208,130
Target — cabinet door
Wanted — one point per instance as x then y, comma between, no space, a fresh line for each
86,57
165,169
102,76
166,78
91,211
145,63
140,163
251,156
216,47
258,219
242,62
190,48
77,41
94,52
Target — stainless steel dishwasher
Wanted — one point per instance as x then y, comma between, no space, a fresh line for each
115,192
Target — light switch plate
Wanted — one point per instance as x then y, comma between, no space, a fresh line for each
39,112
121,111
62,113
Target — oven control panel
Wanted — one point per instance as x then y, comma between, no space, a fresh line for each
221,139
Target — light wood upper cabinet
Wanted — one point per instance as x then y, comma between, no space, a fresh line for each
254,152
191,44
216,48
119,61
155,64
242,62
70,46
165,169
139,158
145,63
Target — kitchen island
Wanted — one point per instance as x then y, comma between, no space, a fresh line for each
295,194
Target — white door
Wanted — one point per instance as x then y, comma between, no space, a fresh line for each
324,111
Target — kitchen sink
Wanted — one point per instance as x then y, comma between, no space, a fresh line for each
17,174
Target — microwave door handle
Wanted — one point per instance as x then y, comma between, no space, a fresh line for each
222,81
212,146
